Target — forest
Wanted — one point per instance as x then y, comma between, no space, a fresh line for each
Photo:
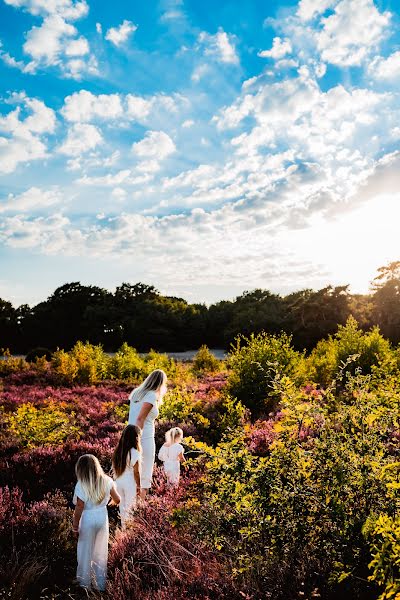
140,316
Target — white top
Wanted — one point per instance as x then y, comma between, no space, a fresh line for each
170,453
134,410
89,505
131,460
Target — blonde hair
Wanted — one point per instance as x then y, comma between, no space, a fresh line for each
152,383
92,478
173,434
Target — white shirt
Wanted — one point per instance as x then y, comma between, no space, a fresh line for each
131,460
89,505
135,408
170,453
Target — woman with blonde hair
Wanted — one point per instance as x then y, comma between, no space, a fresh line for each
90,521
144,404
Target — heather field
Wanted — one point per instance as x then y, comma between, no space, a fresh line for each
290,490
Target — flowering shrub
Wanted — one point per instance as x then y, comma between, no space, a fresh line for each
42,427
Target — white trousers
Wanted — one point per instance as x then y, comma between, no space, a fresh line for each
147,462
92,548
126,488
172,469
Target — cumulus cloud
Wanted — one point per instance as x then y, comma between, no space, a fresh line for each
80,139
84,106
387,69
155,144
119,35
55,42
66,8
24,139
220,46
351,32
280,48
32,200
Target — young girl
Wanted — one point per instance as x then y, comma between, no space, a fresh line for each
90,522
171,453
126,471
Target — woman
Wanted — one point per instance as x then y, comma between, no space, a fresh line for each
143,411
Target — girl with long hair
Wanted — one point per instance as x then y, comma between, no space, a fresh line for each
90,522
171,453
143,411
126,472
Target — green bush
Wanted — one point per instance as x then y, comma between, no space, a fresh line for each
370,352
205,361
46,426
255,363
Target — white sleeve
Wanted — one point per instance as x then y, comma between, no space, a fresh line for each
134,457
79,493
151,398
162,453
178,450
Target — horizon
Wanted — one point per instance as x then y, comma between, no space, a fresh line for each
209,149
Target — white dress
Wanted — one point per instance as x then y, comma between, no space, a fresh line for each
147,440
93,539
126,487
169,456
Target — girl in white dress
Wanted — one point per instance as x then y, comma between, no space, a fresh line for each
125,466
143,411
90,521
171,453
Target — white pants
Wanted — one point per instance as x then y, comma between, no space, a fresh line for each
147,462
92,548
126,488
172,470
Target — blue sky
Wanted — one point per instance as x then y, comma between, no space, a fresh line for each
205,148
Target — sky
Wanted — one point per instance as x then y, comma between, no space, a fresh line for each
205,148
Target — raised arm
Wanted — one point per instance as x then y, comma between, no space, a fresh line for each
144,411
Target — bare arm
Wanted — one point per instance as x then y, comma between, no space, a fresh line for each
79,506
115,497
181,457
136,474
144,411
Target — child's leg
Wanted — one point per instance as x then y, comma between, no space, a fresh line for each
147,464
84,550
122,504
100,554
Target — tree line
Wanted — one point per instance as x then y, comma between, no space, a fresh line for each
139,315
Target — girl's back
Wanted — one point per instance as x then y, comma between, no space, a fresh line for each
170,453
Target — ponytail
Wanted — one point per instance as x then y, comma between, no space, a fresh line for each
173,434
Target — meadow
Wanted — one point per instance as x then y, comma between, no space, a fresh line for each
291,488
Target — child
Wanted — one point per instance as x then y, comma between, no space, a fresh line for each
171,453
90,522
126,460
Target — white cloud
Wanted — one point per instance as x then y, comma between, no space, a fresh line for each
155,144
386,68
24,142
119,35
99,28
46,42
65,8
31,200
81,138
308,9
78,47
188,123
355,28
84,106
280,48
219,46
105,180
